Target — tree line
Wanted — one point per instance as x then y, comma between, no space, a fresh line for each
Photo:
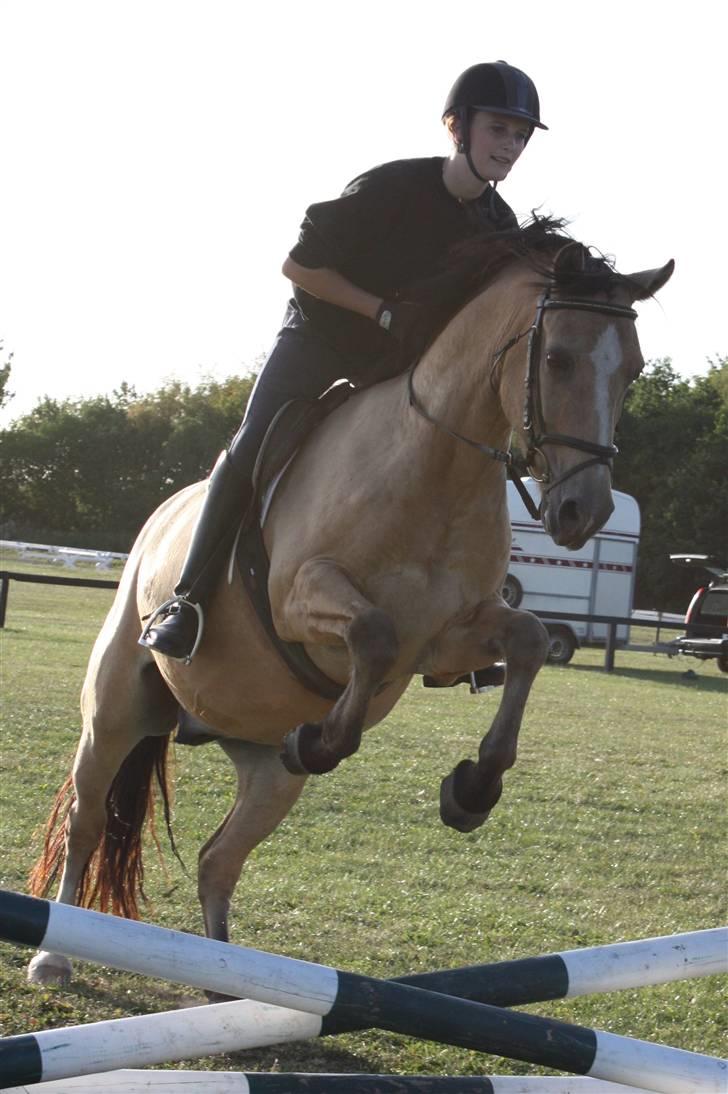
88,473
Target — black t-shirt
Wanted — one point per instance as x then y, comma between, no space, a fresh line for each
390,227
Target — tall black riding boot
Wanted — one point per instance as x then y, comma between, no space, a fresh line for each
175,628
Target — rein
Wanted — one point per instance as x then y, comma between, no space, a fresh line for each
533,421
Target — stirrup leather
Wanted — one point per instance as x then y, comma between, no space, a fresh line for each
164,610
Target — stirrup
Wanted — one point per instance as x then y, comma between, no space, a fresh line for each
163,609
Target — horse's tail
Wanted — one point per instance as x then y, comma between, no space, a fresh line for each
113,877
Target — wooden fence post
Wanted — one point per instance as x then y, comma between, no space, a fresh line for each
4,589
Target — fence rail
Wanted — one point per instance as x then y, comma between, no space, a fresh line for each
612,622
6,576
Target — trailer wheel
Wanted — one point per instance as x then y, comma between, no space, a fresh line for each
723,662
561,646
512,591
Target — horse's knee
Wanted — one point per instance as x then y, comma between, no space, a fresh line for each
303,751
527,641
372,637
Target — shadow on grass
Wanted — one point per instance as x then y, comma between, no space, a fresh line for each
319,1055
687,679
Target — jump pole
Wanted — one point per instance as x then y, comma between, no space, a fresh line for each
324,991
234,1082
149,1039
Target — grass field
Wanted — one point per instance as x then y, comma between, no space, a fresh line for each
612,827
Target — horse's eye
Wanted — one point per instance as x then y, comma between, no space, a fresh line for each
559,361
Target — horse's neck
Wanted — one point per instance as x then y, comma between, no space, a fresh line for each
456,381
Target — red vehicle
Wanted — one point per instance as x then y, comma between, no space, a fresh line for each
706,621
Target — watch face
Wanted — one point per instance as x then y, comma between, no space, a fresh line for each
385,319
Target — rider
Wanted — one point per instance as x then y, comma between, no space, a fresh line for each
347,317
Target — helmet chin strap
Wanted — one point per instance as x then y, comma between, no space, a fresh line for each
463,144
469,160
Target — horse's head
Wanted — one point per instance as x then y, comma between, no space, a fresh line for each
583,354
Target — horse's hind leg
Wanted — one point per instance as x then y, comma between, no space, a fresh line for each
127,717
266,793
325,608
89,784
469,793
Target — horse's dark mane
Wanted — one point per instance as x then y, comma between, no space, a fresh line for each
474,264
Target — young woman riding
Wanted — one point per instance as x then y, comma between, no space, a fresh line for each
348,319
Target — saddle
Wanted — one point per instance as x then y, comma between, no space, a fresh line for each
293,423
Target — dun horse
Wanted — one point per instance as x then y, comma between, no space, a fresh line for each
389,540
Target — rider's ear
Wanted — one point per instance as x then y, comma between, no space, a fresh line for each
648,282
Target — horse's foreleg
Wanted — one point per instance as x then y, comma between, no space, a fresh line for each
469,793
325,608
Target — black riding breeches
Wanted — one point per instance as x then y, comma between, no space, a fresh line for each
299,366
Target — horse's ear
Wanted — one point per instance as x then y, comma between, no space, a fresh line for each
569,260
648,282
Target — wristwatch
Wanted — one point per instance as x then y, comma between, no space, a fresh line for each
384,316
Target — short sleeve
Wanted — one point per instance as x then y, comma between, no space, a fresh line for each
352,224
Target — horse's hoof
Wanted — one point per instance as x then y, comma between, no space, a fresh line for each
453,812
50,968
302,753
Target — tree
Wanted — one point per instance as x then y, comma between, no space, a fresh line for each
5,394
90,472
673,438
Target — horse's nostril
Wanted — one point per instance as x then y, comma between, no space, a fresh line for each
568,513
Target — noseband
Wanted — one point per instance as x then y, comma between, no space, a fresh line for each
533,420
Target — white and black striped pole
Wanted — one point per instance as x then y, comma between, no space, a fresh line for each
149,1039
318,989
234,1082
585,971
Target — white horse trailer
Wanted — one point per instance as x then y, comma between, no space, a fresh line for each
597,579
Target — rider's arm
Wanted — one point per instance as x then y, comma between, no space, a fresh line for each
331,286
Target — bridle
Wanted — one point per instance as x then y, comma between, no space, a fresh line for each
534,426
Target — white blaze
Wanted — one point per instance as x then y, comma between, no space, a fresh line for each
607,359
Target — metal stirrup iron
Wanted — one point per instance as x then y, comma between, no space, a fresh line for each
163,609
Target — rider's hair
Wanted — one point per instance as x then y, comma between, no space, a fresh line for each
452,123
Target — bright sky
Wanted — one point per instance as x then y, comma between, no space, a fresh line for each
158,155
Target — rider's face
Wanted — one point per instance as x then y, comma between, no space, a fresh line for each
496,142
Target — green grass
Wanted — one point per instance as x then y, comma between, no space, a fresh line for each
612,826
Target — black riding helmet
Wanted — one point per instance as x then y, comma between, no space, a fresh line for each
495,86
